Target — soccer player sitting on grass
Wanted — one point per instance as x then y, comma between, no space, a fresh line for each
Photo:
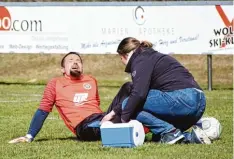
76,98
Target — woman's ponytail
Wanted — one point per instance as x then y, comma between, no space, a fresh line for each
146,44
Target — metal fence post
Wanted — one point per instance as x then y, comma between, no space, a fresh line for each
209,71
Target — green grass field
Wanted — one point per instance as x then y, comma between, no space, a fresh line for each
23,78
19,102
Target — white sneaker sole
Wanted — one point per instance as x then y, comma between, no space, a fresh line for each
201,135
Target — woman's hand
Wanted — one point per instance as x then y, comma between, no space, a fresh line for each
108,117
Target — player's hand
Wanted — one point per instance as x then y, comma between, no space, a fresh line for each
108,117
20,140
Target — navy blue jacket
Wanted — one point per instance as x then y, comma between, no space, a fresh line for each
153,70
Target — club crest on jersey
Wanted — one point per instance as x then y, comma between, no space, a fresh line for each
80,98
87,86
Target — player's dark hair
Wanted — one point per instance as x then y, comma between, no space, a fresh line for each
75,53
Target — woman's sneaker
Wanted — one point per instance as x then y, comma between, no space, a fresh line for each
199,136
172,137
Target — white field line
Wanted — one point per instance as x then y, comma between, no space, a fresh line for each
19,118
18,101
52,118
21,95
226,98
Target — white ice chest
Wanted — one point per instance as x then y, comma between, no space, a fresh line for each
122,134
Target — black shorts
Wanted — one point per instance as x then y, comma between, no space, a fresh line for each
86,133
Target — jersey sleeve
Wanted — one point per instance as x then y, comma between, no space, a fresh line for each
49,96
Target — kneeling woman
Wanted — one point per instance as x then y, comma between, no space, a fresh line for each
164,95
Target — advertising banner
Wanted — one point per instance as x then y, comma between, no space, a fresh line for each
197,29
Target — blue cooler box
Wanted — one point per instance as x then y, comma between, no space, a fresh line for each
122,135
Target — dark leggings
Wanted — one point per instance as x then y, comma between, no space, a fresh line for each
86,133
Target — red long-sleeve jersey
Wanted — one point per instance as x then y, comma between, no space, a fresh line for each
74,99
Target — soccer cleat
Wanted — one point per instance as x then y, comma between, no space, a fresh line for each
199,136
172,137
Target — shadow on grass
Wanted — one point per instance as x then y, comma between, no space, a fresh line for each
62,139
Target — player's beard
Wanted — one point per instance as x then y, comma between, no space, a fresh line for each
75,73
